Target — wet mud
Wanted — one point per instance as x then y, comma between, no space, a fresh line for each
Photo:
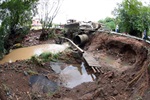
124,64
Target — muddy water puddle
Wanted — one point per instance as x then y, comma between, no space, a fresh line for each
72,75
114,63
27,52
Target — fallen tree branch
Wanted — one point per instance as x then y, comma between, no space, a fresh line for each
82,51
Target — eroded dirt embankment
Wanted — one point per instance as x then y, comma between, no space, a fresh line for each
124,62
131,59
127,49
128,79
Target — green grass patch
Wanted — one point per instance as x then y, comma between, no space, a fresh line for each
66,56
45,57
48,56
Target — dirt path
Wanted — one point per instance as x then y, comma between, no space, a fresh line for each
124,62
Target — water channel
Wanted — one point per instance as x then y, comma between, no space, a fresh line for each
69,75
27,52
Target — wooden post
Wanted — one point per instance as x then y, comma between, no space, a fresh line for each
73,44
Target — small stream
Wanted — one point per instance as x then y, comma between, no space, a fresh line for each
27,52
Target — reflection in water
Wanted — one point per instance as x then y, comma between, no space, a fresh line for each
58,66
72,76
27,52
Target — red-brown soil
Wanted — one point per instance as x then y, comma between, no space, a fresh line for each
126,77
33,39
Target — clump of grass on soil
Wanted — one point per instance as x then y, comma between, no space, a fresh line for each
48,56
66,56
45,57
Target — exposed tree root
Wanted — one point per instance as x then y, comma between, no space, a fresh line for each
141,75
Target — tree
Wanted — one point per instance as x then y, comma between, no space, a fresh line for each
16,16
133,17
109,23
47,11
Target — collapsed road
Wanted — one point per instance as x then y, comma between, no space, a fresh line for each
124,63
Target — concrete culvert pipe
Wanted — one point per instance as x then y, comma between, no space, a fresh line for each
81,39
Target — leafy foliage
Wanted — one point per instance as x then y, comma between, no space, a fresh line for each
133,17
16,16
108,22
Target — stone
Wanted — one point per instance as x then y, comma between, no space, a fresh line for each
25,73
111,75
1,71
115,93
40,83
